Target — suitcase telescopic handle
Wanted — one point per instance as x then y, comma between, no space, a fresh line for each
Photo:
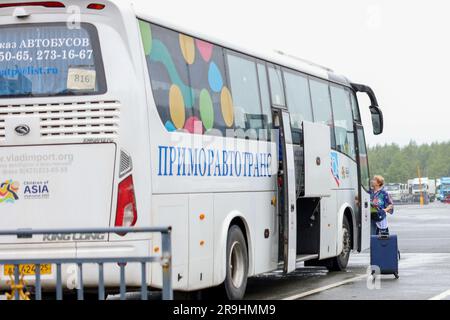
383,236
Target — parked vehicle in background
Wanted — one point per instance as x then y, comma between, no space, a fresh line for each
444,189
438,190
417,187
398,191
447,199
432,189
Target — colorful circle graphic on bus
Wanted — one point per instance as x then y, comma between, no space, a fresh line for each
205,49
226,102
206,109
146,33
193,125
187,48
176,105
8,191
169,126
188,80
215,78
169,75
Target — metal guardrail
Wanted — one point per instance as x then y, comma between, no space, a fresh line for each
165,259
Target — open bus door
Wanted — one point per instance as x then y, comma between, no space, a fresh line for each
287,210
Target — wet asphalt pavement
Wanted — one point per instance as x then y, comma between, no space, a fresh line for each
424,267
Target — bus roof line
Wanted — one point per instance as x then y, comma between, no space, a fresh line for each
304,61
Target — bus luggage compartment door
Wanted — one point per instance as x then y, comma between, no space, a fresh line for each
317,148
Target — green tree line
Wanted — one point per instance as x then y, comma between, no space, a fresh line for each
398,164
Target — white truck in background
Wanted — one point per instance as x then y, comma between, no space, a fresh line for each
432,189
416,187
398,191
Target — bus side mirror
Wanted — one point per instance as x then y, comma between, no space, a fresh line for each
377,120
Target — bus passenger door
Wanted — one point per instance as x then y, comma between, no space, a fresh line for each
363,216
286,189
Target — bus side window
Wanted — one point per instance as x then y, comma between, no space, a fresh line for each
244,81
265,102
276,86
355,107
166,46
298,101
189,86
321,101
363,159
208,82
343,121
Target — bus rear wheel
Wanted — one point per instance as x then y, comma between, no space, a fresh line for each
340,262
237,264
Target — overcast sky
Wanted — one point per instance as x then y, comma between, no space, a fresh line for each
400,48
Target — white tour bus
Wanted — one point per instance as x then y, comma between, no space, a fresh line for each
111,117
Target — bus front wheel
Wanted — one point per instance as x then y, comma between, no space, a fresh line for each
237,264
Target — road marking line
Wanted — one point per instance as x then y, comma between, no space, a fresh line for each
441,296
330,286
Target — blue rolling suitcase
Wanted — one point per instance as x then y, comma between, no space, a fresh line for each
384,254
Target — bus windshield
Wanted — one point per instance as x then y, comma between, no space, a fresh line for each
49,60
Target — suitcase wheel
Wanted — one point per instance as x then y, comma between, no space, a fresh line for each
396,275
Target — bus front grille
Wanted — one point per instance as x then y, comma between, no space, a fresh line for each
99,119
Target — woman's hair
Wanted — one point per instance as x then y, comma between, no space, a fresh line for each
379,179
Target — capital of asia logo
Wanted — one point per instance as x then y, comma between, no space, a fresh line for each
9,190
34,190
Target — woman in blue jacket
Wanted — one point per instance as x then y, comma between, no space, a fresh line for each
380,205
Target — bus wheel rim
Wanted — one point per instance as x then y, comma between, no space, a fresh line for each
236,265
